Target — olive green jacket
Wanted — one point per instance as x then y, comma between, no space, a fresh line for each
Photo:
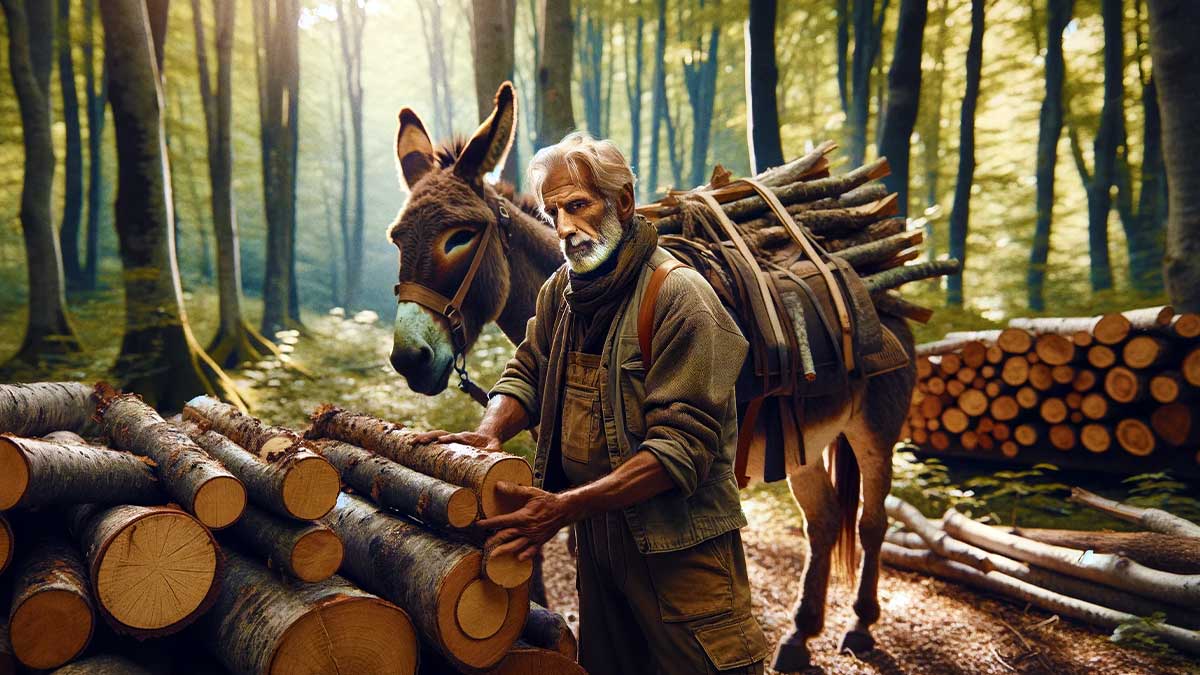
683,410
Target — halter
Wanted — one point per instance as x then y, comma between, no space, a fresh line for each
451,308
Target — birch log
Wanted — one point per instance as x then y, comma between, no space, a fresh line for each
152,569
300,485
104,664
1167,552
1155,520
451,462
470,621
36,472
40,408
306,550
52,617
549,630
266,441
262,625
197,481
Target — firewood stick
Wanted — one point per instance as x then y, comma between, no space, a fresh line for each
1175,425
871,193
795,170
889,302
1191,367
267,442
873,232
1125,386
903,275
1136,437
1167,386
40,408
548,630
1108,329
1186,325
1155,520
36,472
52,617
879,251
1104,568
1054,349
929,562
308,551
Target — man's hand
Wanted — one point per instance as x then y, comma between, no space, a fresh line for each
472,438
523,531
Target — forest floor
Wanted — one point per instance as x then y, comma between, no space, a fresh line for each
928,626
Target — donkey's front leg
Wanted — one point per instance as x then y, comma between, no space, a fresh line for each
815,496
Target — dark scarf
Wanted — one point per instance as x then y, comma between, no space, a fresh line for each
596,296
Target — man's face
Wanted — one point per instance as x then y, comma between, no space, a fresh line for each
589,228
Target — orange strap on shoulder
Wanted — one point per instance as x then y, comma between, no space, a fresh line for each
645,325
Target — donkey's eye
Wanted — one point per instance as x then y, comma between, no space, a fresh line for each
460,238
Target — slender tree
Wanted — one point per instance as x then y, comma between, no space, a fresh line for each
931,134
493,29
97,105
700,79
658,106
30,60
439,67
590,54
868,29
352,20
961,209
73,164
1174,25
904,97
633,86
762,78
556,117
1049,130
159,358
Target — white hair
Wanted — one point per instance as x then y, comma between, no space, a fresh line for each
610,173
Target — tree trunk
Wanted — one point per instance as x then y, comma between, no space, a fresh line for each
43,407
436,503
122,543
867,38
931,134
960,211
1051,121
633,90
51,618
439,72
301,485
762,78
468,620
1145,235
44,473
351,22
73,166
1108,137
700,77
263,625
1173,25
904,96
658,106
97,99
30,58
590,54
197,481
266,442
451,462
556,116
308,551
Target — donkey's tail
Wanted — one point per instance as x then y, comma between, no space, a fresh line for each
844,468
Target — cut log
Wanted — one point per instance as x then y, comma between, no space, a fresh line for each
873,232
1041,377
306,550
1027,398
1095,437
1191,367
40,408
1155,520
529,660
1085,379
1135,437
973,402
1145,351
1053,410
1104,568
1108,329
1004,408
1015,371
890,302
506,571
268,442
197,481
1054,349
1082,339
1027,434
949,364
263,625
434,502
876,252
1062,437
1167,386
51,618
1062,374
902,275
1125,386
470,621
1166,552
451,462
549,630
153,569
954,420
104,664
1014,340
1175,425
1094,406
300,484
35,472
1001,584
1186,325
6,543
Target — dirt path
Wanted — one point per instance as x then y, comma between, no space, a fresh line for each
929,627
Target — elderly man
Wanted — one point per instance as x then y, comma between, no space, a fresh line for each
638,457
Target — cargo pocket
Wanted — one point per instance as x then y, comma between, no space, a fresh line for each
633,395
580,423
733,644
693,583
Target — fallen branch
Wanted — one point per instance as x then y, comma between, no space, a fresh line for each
1155,520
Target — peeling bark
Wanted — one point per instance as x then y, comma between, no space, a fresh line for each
36,472
268,442
42,407
308,551
52,617
104,664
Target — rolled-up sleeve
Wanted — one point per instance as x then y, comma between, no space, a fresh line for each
698,352
522,376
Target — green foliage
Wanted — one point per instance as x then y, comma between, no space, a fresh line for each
927,485
1160,490
1138,634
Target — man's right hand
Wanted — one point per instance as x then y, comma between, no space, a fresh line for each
474,439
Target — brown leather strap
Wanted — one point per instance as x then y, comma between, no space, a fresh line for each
801,238
645,324
745,438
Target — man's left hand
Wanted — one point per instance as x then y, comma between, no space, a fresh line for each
522,532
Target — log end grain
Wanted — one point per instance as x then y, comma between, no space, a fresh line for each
510,470
14,473
1015,340
1135,437
1095,437
481,609
1187,325
317,555
506,571
311,487
1054,349
476,652
349,635
156,572
1122,385
1191,367
1165,387
1111,328
6,543
463,508
50,628
527,660
219,502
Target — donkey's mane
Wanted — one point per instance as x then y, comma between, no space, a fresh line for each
448,151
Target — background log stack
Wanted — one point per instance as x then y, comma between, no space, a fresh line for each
249,575
1114,392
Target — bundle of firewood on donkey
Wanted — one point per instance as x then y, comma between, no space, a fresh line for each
231,533
1147,580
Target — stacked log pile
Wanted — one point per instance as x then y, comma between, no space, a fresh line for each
851,215
1098,578
1115,392
234,532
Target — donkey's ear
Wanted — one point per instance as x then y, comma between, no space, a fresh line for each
414,151
488,148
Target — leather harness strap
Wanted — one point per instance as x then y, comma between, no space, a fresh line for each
645,320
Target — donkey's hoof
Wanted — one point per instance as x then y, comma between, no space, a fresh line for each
791,656
857,642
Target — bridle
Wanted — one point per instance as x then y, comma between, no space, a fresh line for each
451,308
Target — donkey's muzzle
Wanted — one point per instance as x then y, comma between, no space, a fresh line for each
412,360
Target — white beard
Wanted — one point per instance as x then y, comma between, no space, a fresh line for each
602,247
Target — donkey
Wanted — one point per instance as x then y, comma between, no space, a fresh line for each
460,238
